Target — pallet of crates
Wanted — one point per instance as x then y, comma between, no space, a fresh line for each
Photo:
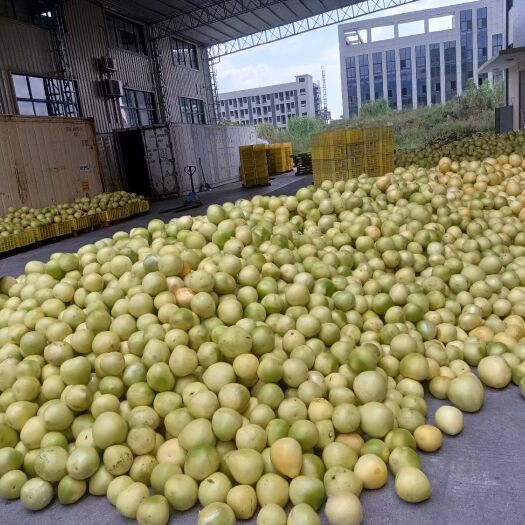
271,151
103,218
372,158
261,165
303,163
387,150
144,206
7,243
83,223
25,238
63,228
46,231
247,166
287,157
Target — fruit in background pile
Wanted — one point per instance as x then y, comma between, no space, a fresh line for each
18,220
273,351
478,146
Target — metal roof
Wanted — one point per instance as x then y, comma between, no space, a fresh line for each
210,23
507,58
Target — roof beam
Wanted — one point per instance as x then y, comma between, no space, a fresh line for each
329,18
208,14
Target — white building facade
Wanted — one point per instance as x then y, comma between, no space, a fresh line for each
420,58
273,104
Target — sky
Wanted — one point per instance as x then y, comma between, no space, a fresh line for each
280,62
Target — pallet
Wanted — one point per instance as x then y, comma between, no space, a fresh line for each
257,185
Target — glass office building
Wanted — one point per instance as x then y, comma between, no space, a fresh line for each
420,58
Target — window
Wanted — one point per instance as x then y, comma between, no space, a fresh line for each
435,74
405,61
184,53
351,83
41,13
302,79
138,108
482,37
192,110
467,63
303,102
302,91
305,114
222,103
46,96
421,75
450,69
364,77
497,44
125,34
377,66
391,78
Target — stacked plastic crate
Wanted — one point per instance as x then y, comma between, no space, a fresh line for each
345,154
254,165
279,157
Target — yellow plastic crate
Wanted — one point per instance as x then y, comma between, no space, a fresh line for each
143,206
354,136
82,223
63,228
103,217
46,231
134,208
25,238
7,244
371,134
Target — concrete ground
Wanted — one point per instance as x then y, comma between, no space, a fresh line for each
477,477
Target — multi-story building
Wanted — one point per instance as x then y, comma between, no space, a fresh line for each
274,104
511,59
419,58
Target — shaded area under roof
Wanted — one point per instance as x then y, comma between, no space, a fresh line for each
210,23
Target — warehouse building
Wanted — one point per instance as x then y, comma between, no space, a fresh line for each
151,99
275,104
420,58
512,61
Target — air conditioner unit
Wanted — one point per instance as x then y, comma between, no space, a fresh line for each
107,65
113,88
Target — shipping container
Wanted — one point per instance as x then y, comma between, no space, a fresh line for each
46,161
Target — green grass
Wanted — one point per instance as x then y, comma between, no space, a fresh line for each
470,113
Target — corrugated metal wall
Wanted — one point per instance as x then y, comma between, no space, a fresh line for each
23,49
184,82
216,146
46,161
111,169
87,42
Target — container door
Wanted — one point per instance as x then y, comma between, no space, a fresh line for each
160,160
